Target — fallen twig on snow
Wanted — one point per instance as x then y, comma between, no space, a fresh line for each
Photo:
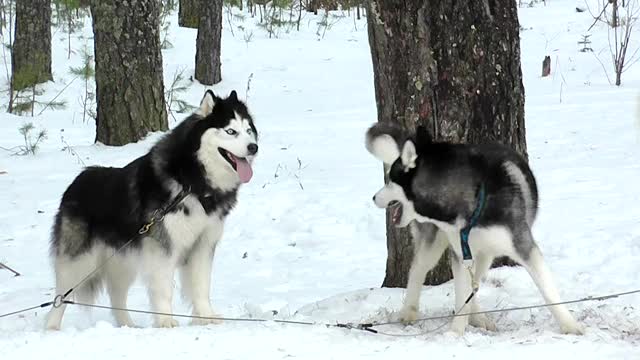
10,269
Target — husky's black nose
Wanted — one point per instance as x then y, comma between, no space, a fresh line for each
253,149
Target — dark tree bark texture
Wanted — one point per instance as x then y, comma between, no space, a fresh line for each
189,13
31,55
453,66
208,43
129,83
328,5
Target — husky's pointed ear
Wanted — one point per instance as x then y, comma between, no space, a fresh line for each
382,146
233,96
207,103
409,155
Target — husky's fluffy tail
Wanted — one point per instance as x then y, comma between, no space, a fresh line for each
384,141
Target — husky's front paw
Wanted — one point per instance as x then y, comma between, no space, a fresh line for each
572,328
165,322
206,318
130,325
53,320
482,321
124,320
52,327
408,314
458,326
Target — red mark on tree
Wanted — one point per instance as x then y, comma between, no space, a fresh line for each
425,109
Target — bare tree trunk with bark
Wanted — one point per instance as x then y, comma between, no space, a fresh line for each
128,71
208,43
453,66
31,50
189,13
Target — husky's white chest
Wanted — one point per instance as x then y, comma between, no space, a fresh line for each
186,225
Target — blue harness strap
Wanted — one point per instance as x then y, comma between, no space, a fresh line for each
464,232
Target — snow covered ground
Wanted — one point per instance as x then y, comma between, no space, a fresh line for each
305,239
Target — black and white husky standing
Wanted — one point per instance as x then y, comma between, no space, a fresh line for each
210,155
442,191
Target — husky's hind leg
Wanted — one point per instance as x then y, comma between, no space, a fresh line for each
70,271
535,265
74,259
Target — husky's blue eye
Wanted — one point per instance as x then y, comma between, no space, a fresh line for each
249,131
231,132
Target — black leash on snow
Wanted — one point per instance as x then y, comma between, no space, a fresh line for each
367,327
43,305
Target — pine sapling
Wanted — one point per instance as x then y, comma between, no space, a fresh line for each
167,8
31,141
86,72
179,85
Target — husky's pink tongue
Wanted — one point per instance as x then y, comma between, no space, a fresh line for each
243,168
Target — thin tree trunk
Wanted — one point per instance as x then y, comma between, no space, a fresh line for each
69,24
189,13
453,66
312,6
208,43
299,17
31,51
128,71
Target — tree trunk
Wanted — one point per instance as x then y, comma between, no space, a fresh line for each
453,66
128,71
208,43
31,54
328,5
251,7
189,13
312,6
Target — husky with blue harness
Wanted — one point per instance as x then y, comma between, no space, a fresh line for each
480,201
